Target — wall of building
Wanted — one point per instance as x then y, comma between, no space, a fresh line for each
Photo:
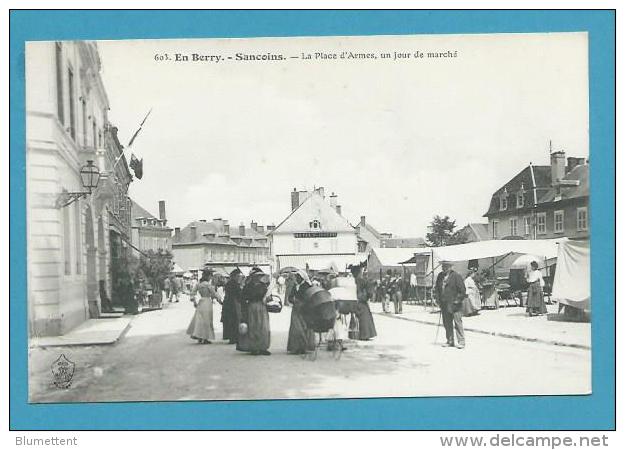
288,244
64,254
570,223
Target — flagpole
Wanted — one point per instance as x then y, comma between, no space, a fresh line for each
132,139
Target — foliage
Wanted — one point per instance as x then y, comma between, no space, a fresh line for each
442,232
125,272
156,266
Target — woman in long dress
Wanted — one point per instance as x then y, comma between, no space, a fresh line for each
366,326
473,302
255,294
535,301
301,338
201,326
231,310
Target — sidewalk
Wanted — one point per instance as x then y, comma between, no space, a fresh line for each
511,322
91,332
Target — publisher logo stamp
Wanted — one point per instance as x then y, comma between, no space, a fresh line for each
63,372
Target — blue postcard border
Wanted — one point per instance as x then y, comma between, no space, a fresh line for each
591,412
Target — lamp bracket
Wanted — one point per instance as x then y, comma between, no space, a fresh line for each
67,198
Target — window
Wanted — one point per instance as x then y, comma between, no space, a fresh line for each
72,112
66,242
94,131
541,223
83,104
582,219
315,225
495,226
78,236
513,227
59,82
520,200
503,200
527,225
558,221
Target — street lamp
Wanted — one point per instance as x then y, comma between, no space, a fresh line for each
89,176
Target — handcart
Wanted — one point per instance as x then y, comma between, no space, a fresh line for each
320,315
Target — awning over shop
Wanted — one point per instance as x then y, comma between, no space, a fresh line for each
545,249
339,263
571,285
395,257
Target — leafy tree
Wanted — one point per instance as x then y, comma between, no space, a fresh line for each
156,266
441,232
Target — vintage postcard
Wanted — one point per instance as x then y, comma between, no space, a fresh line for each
308,218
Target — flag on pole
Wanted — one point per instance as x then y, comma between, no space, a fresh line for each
135,164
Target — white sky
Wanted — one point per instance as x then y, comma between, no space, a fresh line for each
397,141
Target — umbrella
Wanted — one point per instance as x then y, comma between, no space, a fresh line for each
524,261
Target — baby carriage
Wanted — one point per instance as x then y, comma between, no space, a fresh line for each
319,314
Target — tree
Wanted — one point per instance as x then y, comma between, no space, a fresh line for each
442,232
156,266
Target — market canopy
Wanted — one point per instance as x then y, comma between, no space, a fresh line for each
397,256
571,285
546,248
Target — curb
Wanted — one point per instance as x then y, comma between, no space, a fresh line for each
493,333
111,342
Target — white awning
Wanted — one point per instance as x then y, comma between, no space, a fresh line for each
545,249
316,262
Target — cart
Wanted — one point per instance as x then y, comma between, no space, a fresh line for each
320,315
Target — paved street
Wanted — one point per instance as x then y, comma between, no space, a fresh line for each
156,360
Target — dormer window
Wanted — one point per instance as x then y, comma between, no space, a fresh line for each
520,197
503,200
315,225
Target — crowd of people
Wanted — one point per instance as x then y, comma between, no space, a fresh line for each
244,308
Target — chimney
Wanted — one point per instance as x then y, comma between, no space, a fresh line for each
333,200
227,228
572,162
193,232
557,167
294,199
254,225
161,211
338,209
241,230
363,221
177,233
320,191
261,229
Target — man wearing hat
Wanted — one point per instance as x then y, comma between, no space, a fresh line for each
450,294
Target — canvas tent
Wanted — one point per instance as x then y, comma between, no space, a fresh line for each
489,252
571,285
383,259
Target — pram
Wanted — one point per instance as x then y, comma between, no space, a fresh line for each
319,313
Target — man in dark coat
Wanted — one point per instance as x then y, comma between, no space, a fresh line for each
450,293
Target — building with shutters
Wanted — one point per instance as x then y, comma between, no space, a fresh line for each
70,243
543,202
314,235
